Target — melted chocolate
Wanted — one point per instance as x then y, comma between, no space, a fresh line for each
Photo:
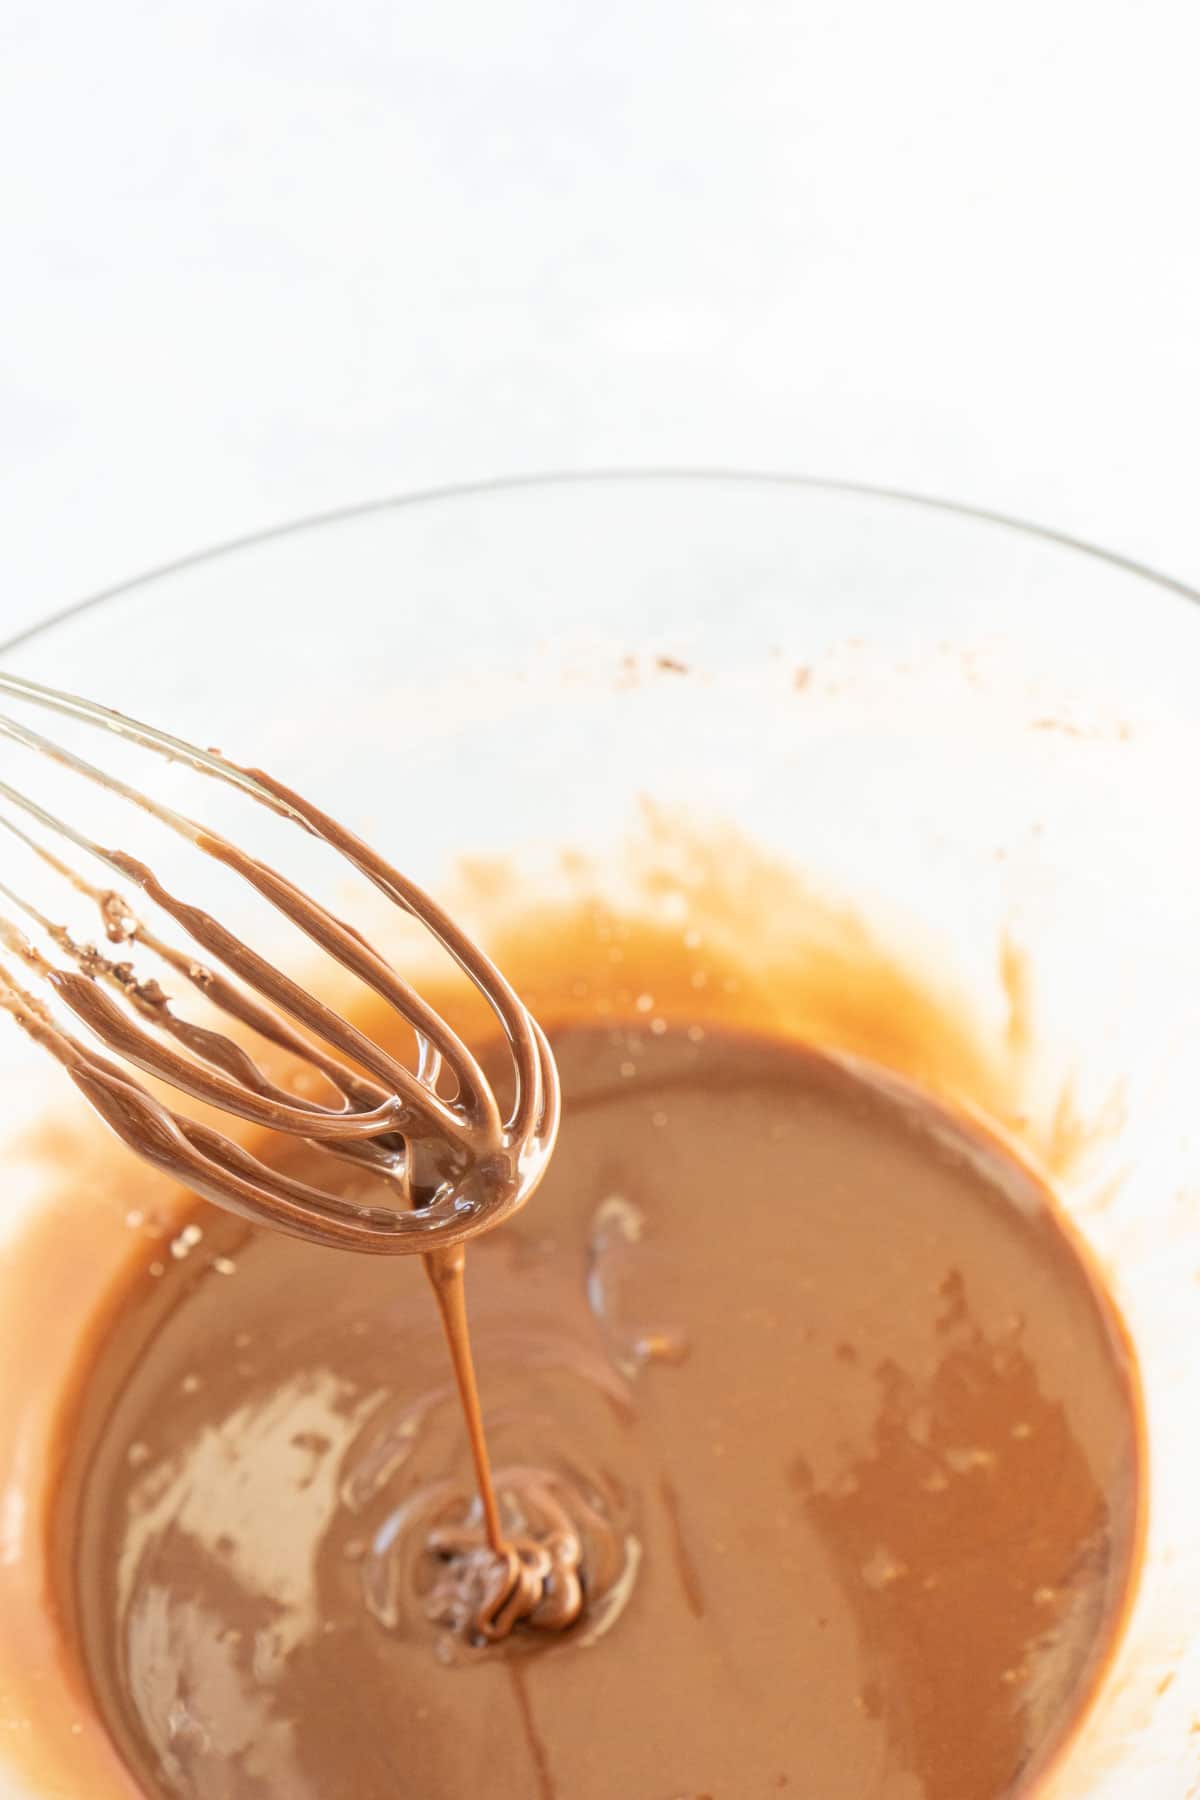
790,1374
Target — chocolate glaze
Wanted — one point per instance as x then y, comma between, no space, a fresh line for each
797,1365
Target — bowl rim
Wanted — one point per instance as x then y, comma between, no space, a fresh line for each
442,492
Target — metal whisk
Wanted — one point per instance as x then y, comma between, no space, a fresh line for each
434,1133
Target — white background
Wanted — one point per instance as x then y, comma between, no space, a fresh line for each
267,257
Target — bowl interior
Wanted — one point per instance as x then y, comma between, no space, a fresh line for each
961,746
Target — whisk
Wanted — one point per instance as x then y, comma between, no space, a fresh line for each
455,1165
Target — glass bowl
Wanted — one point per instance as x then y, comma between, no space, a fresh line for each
964,745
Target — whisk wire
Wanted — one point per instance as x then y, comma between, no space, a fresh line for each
451,1161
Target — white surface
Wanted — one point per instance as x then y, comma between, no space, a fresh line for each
266,257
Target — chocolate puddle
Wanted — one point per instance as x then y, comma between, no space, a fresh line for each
791,1369
817,1445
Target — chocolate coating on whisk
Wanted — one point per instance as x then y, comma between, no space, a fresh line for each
454,1166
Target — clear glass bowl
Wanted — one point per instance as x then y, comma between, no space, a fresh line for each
965,735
